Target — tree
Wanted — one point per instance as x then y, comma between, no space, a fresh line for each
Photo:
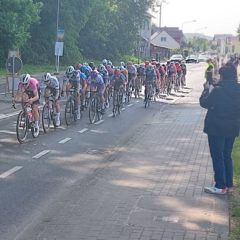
16,17
94,29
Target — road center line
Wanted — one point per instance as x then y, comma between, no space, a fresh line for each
8,132
98,122
83,130
41,154
129,105
10,171
65,140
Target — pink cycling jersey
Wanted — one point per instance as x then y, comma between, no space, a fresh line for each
33,85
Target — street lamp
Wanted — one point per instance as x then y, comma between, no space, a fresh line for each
159,4
191,21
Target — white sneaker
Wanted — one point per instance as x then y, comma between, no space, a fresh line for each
78,115
36,131
57,122
215,190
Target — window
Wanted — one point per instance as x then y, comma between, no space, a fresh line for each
163,39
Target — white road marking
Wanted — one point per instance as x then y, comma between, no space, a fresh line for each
61,127
98,122
83,130
10,171
3,116
97,131
41,154
129,105
8,132
65,140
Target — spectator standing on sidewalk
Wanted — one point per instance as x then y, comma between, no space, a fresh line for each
222,125
209,72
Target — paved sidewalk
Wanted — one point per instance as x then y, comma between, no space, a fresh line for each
153,190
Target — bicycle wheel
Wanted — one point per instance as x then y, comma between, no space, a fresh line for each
22,127
114,104
92,110
69,111
119,103
46,118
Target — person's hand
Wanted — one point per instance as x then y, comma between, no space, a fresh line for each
206,85
30,101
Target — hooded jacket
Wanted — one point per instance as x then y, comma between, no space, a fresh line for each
223,104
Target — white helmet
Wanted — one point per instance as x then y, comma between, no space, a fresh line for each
70,70
25,78
46,77
104,61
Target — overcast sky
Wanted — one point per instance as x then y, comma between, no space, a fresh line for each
212,16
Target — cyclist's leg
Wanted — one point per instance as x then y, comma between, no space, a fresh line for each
101,90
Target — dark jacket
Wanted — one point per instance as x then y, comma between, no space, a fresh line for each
223,104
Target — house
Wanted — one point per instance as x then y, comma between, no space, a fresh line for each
235,45
223,43
143,49
164,40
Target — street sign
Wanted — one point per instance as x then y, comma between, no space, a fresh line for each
59,49
14,64
60,34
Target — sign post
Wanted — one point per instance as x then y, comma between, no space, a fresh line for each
13,65
59,47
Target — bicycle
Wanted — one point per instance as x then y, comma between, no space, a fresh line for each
95,108
49,114
71,108
148,94
25,122
137,87
117,100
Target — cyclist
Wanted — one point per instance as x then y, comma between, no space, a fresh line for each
96,83
132,72
178,74
52,88
150,79
72,80
31,87
103,71
118,79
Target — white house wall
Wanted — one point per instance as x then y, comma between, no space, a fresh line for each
170,43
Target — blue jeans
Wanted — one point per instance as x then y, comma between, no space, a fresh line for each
221,150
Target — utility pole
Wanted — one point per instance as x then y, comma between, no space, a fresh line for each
159,4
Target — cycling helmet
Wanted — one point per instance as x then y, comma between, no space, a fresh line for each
91,64
25,78
109,62
104,61
94,74
46,77
101,67
70,70
117,72
122,64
